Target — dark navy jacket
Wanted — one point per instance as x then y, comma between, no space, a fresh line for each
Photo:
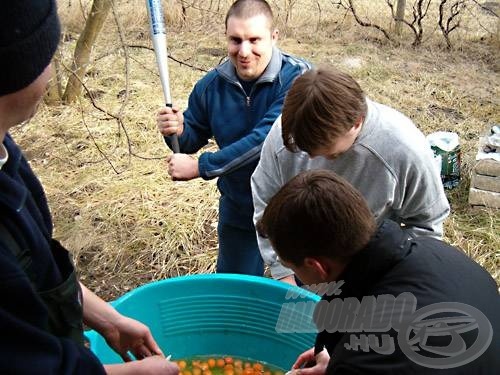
433,272
25,346
219,107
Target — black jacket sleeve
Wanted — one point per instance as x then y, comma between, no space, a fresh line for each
25,346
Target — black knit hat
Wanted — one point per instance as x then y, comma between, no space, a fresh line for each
29,34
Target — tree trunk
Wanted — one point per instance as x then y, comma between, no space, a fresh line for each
400,15
498,32
93,26
54,89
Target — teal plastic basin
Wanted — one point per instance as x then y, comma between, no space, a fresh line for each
216,314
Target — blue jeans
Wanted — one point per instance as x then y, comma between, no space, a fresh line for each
238,251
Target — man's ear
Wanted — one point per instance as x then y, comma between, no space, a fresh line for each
274,36
326,268
359,122
320,266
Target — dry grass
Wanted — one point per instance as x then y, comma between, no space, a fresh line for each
114,205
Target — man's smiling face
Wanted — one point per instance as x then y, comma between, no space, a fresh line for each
250,44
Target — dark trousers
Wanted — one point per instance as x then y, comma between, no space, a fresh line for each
238,251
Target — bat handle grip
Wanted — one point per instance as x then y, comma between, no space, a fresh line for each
174,139
175,144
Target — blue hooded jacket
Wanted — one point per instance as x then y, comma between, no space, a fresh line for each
219,107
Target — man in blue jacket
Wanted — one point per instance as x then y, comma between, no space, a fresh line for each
236,103
42,304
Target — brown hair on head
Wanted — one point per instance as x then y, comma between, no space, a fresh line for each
322,105
317,213
250,8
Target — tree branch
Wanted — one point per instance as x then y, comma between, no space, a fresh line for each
170,57
367,24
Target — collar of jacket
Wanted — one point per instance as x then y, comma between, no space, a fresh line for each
227,70
13,194
388,246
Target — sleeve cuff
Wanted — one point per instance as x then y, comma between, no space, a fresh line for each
278,271
202,166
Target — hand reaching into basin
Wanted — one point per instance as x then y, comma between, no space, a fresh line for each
155,365
319,363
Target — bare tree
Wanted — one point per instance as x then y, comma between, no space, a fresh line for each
95,21
400,16
420,8
350,7
319,15
450,22
54,89
498,32
289,5
491,8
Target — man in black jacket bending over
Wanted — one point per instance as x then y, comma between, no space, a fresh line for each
393,305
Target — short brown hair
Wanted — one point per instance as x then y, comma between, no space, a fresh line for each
322,105
317,213
250,8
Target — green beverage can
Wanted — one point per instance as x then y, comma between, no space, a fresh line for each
446,148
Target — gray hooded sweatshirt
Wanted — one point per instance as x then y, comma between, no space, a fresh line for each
390,163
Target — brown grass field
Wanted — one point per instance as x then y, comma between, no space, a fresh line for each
113,203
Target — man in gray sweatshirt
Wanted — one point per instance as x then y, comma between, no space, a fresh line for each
328,123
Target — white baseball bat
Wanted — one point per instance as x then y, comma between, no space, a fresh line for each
159,37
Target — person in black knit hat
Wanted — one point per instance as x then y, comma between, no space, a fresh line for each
42,304
29,36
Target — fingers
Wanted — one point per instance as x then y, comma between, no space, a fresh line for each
171,166
316,370
151,346
168,125
168,121
323,357
182,167
142,351
289,280
156,365
316,366
126,357
168,110
172,368
302,359
174,167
